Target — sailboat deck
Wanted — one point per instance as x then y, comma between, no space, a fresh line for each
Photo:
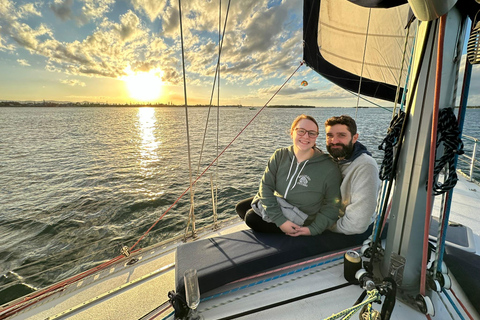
132,291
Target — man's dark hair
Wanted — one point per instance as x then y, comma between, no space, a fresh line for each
345,120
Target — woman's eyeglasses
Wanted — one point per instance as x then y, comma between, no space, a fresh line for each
301,132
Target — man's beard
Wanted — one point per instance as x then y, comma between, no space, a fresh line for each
341,153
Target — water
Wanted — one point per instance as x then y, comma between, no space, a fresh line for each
78,183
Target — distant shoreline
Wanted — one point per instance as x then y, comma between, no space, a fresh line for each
16,104
90,105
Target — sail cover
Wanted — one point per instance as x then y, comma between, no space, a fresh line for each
336,35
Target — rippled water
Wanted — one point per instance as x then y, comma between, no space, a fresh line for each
78,183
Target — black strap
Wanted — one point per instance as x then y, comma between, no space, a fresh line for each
390,296
281,303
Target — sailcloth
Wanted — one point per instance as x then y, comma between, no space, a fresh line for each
354,46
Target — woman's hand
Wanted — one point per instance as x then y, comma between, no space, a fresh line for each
301,231
290,228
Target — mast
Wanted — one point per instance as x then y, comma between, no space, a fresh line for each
404,245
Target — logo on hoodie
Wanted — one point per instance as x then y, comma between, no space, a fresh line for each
303,180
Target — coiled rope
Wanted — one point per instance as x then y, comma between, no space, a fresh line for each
449,135
387,145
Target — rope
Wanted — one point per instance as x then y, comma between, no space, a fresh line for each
433,138
462,305
449,135
393,135
373,295
452,303
377,234
461,119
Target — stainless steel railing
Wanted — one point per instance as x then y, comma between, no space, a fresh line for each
469,161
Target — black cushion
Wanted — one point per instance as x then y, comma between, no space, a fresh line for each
227,258
465,266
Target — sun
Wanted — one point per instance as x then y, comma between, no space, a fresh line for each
143,86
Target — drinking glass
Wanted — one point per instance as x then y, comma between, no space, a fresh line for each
192,292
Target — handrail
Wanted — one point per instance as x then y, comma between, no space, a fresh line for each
472,161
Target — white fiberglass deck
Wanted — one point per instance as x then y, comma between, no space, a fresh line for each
131,292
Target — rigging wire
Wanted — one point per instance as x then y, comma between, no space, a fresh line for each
191,214
220,154
217,148
401,70
407,80
377,232
26,302
367,100
111,248
217,75
381,199
363,62
460,118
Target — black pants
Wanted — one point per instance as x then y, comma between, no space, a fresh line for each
253,220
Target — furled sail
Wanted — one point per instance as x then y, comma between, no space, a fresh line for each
359,47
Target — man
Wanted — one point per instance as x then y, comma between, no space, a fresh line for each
360,183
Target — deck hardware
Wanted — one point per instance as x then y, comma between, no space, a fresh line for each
397,266
368,313
425,304
125,251
133,261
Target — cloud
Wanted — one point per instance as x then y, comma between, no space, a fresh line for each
129,27
73,83
23,62
13,29
90,10
263,30
170,21
152,8
29,9
95,9
261,41
63,10
106,52
27,37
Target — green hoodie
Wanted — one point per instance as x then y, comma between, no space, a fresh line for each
313,187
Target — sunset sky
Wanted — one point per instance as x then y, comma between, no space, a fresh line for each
129,51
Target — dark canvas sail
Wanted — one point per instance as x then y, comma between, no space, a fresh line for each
335,38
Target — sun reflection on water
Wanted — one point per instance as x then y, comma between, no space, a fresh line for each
149,145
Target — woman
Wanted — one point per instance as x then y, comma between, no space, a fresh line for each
299,193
